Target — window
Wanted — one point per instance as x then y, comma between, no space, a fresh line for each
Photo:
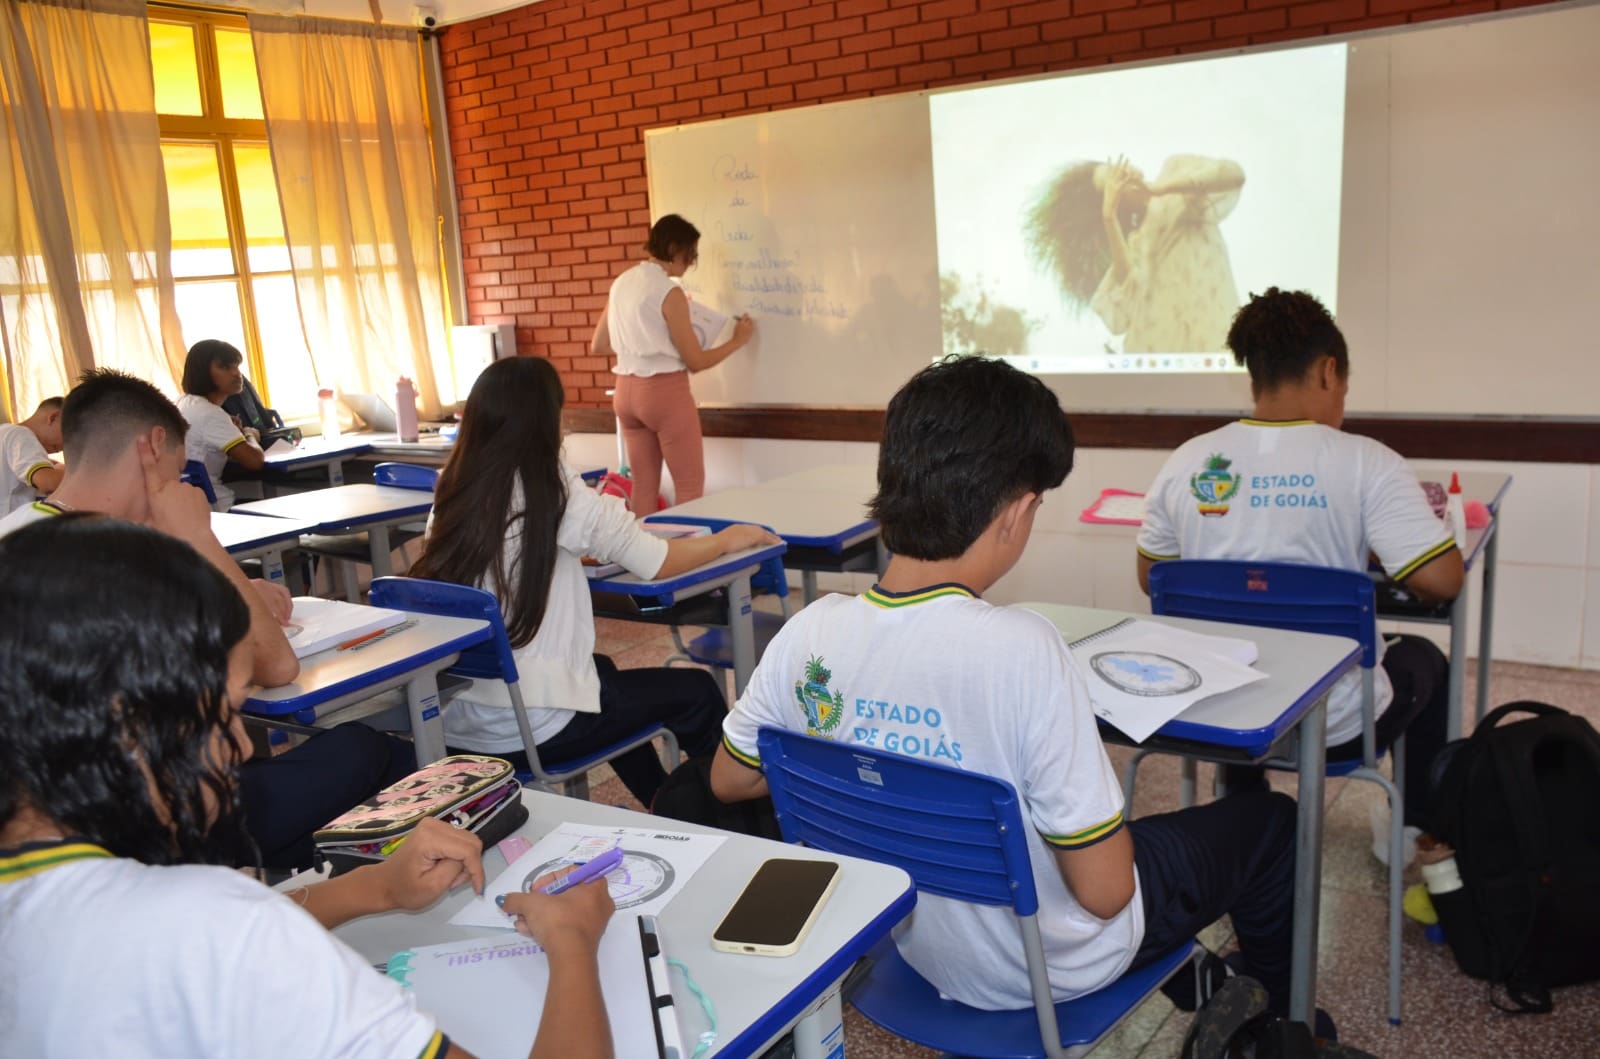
230,262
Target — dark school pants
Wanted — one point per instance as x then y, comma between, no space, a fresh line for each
1420,709
1234,857
689,702
289,796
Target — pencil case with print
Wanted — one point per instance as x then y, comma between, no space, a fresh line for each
470,791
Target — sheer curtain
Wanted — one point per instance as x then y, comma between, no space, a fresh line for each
85,239
346,124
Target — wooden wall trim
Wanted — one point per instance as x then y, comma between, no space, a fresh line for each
1504,438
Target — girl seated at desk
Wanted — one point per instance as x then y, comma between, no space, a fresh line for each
211,375
119,754
510,518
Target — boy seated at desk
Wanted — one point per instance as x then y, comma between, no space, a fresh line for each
970,447
120,933
124,442
1287,485
27,470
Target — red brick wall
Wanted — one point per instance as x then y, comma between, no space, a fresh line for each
547,105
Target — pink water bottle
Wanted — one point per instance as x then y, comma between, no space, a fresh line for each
405,409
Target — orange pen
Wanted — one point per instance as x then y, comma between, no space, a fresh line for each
361,640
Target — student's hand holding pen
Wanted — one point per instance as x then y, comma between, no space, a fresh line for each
276,597
573,919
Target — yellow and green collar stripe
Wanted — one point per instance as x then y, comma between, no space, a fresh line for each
878,596
1088,836
1249,422
28,861
236,441
1424,559
45,507
437,1048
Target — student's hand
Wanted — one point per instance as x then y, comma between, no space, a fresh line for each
253,436
742,535
572,921
276,597
744,329
433,860
175,508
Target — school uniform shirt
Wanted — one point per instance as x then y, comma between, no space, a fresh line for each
555,670
1295,492
943,676
211,436
106,956
21,457
28,513
633,320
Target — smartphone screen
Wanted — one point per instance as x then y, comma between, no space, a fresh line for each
777,903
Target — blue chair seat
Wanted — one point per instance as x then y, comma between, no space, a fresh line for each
579,765
903,1002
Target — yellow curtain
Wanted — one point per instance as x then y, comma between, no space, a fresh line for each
347,127
85,240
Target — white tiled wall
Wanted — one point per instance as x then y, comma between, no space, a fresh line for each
1547,608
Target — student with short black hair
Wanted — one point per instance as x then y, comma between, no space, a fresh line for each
26,469
921,665
211,375
1288,485
123,931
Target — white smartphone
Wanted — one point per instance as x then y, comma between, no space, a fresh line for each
775,912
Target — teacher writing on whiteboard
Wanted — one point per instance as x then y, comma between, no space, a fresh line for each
646,327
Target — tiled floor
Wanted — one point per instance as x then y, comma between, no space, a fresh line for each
1447,1015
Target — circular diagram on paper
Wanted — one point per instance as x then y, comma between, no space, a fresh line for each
642,877
1144,673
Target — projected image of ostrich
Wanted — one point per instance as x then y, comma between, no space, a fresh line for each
1148,257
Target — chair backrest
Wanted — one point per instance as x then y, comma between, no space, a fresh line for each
1317,599
769,578
957,834
406,476
194,472
487,661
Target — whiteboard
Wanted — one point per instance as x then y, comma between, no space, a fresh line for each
819,223
1469,258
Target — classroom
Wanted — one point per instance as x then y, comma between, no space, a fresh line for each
367,209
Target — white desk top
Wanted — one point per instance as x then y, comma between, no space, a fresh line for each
856,480
717,572
246,531
742,988
315,449
792,515
342,504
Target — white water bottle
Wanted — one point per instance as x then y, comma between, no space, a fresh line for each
1443,877
1456,509
405,409
328,410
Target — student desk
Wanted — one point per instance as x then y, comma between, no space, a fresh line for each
315,452
685,599
411,656
267,539
350,509
820,514
1283,715
756,998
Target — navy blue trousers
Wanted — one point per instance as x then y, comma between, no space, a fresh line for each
1233,857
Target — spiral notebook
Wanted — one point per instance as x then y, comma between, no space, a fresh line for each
1142,674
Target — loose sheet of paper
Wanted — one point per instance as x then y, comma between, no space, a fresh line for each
655,866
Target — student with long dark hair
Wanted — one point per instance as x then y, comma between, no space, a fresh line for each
211,375
120,742
646,326
509,517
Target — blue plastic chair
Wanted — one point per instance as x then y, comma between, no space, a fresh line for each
195,474
959,835
494,661
348,549
1314,599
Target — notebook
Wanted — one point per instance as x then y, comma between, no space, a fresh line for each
488,993
318,624
1142,674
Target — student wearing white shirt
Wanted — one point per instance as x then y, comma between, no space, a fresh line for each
122,932
211,375
921,665
508,517
646,327
1287,485
26,469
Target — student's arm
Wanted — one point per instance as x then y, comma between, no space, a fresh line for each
1100,876
1438,580
568,927
1145,563
735,781
47,479
181,511
600,344
686,553
675,310
433,860
1414,546
245,454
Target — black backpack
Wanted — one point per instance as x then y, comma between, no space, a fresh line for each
1520,804
686,795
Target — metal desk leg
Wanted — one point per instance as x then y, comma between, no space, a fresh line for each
808,586
1312,739
422,701
335,472
742,631
1491,548
1458,658
272,564
378,542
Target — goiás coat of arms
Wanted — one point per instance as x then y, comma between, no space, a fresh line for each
1214,485
823,709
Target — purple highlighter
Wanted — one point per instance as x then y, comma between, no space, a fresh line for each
605,863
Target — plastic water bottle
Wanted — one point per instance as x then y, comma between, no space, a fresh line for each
405,409
1456,509
328,410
